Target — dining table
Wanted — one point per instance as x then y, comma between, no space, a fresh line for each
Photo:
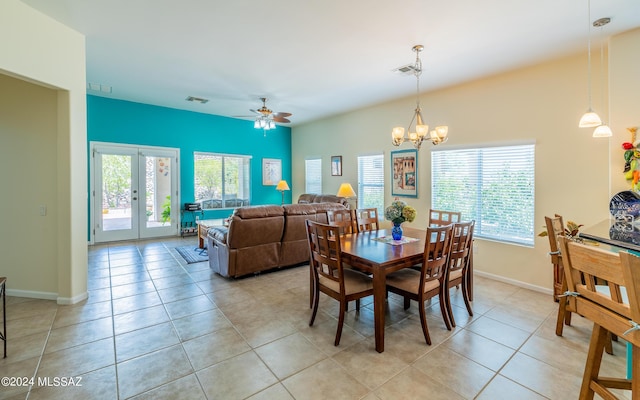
375,253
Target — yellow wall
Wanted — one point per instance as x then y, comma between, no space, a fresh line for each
42,69
541,103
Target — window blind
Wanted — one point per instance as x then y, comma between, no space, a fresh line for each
495,186
371,181
313,176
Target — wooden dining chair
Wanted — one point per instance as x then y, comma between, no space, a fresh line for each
344,219
441,217
330,277
459,259
430,281
614,308
555,228
367,219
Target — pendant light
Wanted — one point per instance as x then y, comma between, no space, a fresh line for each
590,119
603,130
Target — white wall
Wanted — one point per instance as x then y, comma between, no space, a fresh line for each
44,66
542,102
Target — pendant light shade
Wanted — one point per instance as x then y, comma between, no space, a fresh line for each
590,119
602,131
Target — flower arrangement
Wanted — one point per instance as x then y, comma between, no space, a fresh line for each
632,160
399,212
571,230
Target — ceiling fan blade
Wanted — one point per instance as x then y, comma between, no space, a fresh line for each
282,114
280,119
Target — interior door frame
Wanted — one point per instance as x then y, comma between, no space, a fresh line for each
140,151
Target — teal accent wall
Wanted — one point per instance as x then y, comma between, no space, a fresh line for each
118,121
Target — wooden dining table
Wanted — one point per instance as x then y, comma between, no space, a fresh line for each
378,258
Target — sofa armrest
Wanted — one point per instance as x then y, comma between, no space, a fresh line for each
219,233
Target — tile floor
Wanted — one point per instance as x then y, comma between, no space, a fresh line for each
157,328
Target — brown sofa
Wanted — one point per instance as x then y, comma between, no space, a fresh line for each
309,198
264,237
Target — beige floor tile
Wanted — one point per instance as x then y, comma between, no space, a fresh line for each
24,347
236,378
130,278
30,308
461,374
96,385
189,306
17,369
173,281
215,347
132,289
517,317
542,378
152,370
185,388
412,384
179,292
368,366
264,330
275,392
324,380
323,333
99,295
499,332
76,361
30,325
195,325
137,302
145,340
288,355
78,313
501,388
74,335
139,319
484,351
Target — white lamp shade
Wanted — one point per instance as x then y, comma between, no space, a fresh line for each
397,132
602,131
422,130
590,120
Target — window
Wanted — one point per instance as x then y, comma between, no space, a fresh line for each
221,181
493,185
371,182
313,176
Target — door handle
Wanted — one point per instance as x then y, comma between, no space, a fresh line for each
135,198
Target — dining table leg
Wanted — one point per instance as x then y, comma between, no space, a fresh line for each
379,299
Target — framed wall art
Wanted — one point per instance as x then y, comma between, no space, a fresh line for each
271,171
404,173
336,165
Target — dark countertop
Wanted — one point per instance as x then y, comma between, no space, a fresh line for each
618,234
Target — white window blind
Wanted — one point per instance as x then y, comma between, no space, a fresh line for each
313,176
371,182
494,186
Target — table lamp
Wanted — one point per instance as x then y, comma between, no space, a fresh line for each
346,191
282,186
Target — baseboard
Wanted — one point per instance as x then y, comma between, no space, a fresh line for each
30,294
72,300
514,282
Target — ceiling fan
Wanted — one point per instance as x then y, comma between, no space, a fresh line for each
266,118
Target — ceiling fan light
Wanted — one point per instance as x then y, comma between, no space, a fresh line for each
590,120
602,131
256,124
272,125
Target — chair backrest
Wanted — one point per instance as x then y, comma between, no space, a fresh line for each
367,219
324,248
555,227
437,248
344,219
612,305
461,243
441,217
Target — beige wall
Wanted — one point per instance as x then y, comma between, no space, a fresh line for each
42,64
541,103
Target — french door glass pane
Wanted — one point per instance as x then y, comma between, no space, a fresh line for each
158,191
116,192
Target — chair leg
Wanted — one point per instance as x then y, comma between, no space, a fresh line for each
562,313
599,336
423,322
608,346
465,296
357,304
316,299
444,308
452,320
340,323
407,303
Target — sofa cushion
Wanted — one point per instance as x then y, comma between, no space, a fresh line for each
219,233
258,212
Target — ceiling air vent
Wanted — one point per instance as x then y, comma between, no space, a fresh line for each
409,69
197,99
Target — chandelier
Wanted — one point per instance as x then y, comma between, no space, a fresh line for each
421,131
264,122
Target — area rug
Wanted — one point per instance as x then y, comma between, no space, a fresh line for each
192,254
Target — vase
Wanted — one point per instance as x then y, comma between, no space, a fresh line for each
396,231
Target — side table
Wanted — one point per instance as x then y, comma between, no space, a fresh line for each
3,334
203,228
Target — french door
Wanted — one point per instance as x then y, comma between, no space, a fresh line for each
134,192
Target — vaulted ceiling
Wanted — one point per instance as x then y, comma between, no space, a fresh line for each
317,58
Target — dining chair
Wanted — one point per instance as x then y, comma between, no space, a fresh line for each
344,219
367,219
330,277
458,270
430,281
441,217
613,308
555,228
